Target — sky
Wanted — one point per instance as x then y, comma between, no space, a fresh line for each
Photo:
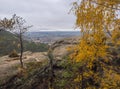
44,15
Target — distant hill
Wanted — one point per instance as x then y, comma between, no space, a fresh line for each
9,42
50,36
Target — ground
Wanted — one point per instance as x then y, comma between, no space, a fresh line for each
10,66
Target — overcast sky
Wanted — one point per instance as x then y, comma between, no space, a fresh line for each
42,14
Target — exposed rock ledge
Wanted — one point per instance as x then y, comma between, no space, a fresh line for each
60,47
9,70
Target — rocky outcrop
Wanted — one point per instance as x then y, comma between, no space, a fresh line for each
10,66
38,77
60,47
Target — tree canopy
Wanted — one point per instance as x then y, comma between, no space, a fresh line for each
99,23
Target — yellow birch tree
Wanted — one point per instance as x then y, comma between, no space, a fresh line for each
99,23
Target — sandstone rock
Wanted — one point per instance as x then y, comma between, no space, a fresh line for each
60,47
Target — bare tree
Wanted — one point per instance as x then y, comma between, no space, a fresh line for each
19,28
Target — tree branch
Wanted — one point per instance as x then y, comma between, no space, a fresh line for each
105,5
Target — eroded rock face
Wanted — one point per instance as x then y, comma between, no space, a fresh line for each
60,47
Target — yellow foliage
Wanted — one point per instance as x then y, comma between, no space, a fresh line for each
97,19
116,33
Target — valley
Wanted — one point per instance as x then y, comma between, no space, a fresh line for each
49,37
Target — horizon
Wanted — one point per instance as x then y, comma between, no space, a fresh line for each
55,31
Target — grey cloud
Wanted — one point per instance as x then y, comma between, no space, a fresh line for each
50,14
